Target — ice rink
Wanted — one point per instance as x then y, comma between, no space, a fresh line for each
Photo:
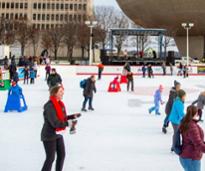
120,135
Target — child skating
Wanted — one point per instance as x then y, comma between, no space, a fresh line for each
157,101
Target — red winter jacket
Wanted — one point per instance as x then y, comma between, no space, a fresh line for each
193,145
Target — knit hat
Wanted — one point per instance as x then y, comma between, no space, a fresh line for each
176,83
181,93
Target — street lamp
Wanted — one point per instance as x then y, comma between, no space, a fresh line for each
91,24
187,27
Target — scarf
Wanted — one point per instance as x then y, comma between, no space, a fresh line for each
59,105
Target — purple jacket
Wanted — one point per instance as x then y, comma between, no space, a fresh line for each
193,145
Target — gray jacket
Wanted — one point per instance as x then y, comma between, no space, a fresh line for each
51,122
89,88
200,102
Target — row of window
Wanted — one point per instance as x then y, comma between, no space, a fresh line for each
46,26
47,6
13,16
54,6
59,17
13,5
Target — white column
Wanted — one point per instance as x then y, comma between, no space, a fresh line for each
91,43
187,46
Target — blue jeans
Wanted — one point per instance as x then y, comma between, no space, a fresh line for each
89,100
155,108
190,165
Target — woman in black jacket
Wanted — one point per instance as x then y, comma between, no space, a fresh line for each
55,121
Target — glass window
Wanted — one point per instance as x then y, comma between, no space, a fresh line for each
75,7
48,6
3,5
53,6
57,6
52,17
48,17
44,6
62,6
57,17
21,5
71,6
35,5
17,5
84,7
39,16
12,5
61,17
39,6
34,16
66,6
7,5
25,5
43,17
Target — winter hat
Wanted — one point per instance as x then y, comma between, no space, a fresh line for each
181,93
176,83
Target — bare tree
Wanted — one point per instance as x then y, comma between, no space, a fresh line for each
46,41
121,21
83,38
55,35
34,38
70,38
22,33
105,15
166,43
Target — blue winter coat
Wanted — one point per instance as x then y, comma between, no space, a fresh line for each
177,112
157,97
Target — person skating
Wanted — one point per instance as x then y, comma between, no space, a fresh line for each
88,93
172,96
164,69
130,81
55,121
186,71
200,104
177,114
127,67
157,101
26,74
150,71
193,145
171,69
48,71
144,69
54,78
15,77
100,70
32,74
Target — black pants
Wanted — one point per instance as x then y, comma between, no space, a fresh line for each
32,81
99,73
52,147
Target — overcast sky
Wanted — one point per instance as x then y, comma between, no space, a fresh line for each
106,2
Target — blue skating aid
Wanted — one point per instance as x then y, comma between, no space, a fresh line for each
16,100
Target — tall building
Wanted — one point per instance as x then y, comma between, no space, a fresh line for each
170,15
44,14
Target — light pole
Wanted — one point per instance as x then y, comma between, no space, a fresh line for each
91,24
187,27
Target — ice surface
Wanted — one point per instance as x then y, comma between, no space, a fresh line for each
119,135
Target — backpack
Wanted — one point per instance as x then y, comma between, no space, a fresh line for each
178,143
83,83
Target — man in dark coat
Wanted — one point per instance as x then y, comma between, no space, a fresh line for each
54,78
88,93
172,96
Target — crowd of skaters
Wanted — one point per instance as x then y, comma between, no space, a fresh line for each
185,123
